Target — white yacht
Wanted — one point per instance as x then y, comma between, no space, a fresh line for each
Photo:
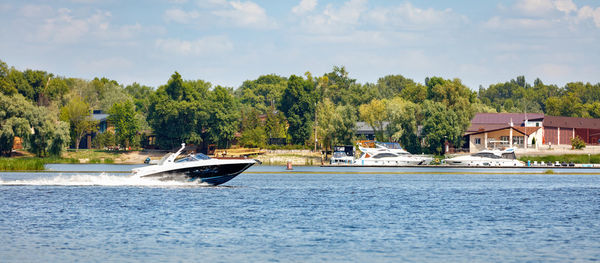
386,156
195,167
342,155
487,158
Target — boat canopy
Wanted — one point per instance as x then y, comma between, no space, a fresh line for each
193,157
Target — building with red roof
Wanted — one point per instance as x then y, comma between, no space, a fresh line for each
528,130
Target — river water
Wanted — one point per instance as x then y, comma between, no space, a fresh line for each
308,214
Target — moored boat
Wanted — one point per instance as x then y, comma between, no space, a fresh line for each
505,158
390,155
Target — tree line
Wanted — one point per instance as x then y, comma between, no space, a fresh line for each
52,112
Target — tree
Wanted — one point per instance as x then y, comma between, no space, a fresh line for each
344,123
374,113
223,121
77,114
122,115
262,93
440,124
298,105
38,128
326,116
404,117
6,86
49,136
15,113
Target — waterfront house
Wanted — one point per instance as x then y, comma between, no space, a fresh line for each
528,130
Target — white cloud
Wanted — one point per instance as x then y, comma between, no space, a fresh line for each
245,14
180,16
545,8
554,70
355,15
588,12
335,20
565,6
535,7
550,14
304,6
408,16
35,10
200,47
107,64
498,22
65,26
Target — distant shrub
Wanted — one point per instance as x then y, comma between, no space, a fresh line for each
577,143
109,160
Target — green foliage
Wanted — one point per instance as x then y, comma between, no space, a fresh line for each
440,124
326,115
77,114
374,113
255,137
577,143
569,158
298,105
21,164
569,105
404,117
122,116
104,139
36,126
262,93
223,121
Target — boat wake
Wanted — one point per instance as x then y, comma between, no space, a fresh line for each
102,179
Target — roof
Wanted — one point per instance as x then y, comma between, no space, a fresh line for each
505,118
571,122
522,130
99,117
364,128
495,121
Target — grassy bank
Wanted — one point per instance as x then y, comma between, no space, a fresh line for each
30,163
574,158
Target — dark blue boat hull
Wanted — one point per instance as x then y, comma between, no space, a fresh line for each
210,174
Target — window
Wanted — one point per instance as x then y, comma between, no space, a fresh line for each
477,140
537,124
504,139
518,139
383,155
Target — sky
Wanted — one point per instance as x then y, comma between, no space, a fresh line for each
227,42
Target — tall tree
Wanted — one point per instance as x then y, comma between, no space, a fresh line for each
77,114
122,115
298,104
15,113
440,124
404,117
375,114
223,121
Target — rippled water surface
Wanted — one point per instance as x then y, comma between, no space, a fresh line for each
309,214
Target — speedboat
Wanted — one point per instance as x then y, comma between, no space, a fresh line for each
386,156
487,158
195,167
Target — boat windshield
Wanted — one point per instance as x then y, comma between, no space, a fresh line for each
164,158
193,157
486,155
510,155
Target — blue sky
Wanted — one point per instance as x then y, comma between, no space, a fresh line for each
226,42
